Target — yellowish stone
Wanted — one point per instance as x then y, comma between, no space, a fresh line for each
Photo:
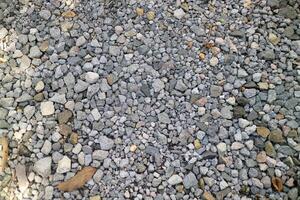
44,46
273,39
262,131
197,144
133,148
263,85
140,11
74,138
97,197
150,15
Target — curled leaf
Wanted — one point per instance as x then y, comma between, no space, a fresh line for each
277,184
78,180
69,14
3,153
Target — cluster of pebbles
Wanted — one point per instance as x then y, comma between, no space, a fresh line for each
166,99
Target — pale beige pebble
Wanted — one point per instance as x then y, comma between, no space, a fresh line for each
17,54
24,62
66,26
263,166
290,182
263,86
39,86
22,177
254,45
97,197
70,105
133,148
150,15
237,146
221,167
220,41
213,61
271,162
231,100
273,38
47,108
261,157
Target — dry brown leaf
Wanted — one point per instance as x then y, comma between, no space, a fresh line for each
78,180
277,184
69,14
4,155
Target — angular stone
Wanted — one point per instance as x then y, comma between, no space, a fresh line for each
100,155
64,117
164,118
64,165
190,180
106,143
175,179
22,177
47,108
215,91
43,166
262,131
276,136
65,130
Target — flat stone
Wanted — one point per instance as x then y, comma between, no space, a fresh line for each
267,55
215,91
59,98
64,165
80,86
22,177
65,130
263,131
35,52
80,41
248,93
214,61
47,147
3,33
180,86
164,118
175,179
47,108
190,180
158,85
276,136
100,154
269,149
106,143
64,117
39,86
24,62
29,111
45,14
114,50
237,146
91,77
261,157
43,167
179,13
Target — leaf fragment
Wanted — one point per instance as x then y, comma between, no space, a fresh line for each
69,14
3,153
78,180
277,184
